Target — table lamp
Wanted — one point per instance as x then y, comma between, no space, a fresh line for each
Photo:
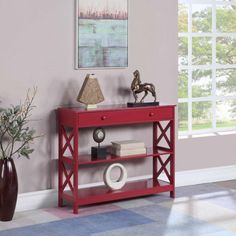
90,93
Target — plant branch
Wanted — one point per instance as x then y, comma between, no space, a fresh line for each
14,128
26,108
1,142
24,143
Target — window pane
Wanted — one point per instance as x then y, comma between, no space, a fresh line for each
226,18
183,51
201,83
197,59
183,84
202,52
201,18
226,50
183,116
183,18
226,114
202,116
233,1
226,82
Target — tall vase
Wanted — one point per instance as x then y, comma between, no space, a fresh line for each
8,189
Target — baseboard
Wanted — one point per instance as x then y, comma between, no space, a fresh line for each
208,175
36,200
48,198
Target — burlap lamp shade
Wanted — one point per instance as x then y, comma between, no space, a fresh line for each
90,93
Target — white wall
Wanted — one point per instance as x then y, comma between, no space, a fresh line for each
205,152
37,49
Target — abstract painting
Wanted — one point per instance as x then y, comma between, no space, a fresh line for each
101,33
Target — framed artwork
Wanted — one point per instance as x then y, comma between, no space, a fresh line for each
101,33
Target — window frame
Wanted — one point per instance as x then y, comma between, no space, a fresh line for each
213,98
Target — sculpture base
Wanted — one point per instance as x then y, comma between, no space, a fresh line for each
98,153
144,104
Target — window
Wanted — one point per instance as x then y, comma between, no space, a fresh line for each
207,66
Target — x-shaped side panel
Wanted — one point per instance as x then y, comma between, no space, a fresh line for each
68,176
163,133
164,167
68,139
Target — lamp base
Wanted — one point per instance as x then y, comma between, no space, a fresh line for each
91,106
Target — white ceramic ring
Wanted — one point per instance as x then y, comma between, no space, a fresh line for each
118,184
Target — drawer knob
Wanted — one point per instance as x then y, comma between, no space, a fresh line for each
151,114
103,117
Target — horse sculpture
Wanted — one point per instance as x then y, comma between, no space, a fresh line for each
138,87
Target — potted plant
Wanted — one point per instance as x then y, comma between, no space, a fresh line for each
15,139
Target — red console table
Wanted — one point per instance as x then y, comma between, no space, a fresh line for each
72,120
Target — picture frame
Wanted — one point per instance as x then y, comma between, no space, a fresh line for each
101,34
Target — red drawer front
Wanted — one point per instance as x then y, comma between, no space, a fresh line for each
125,117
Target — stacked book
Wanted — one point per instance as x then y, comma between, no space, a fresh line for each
128,148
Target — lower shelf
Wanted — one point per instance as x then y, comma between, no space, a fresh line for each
132,189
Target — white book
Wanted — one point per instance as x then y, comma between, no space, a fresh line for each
128,144
128,152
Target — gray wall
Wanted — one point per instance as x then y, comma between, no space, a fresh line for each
37,49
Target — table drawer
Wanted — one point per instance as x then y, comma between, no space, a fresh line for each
128,116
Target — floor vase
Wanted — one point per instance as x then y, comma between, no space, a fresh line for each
8,189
